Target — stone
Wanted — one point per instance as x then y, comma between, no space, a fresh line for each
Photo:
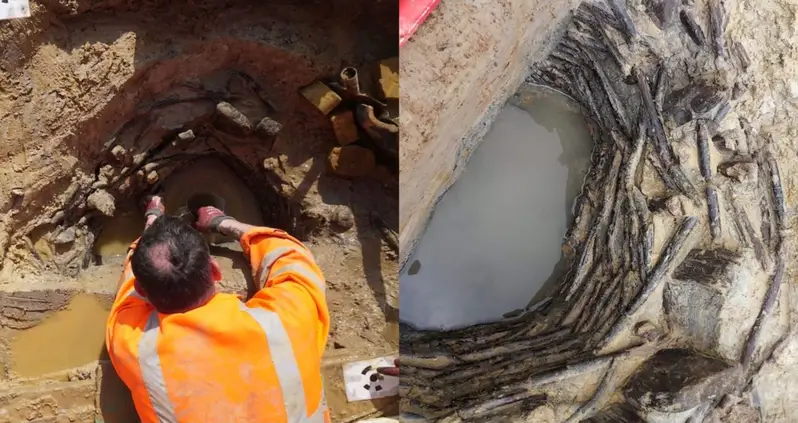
714,298
344,127
706,98
724,142
17,196
57,217
139,158
389,78
677,380
232,119
269,127
152,177
271,163
103,202
119,153
739,170
648,331
321,96
66,236
616,413
186,136
674,206
107,173
352,161
343,218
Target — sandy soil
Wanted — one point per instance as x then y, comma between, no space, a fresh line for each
75,72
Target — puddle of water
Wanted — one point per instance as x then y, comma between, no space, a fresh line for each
495,237
118,233
69,338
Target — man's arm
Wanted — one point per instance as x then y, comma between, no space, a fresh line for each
234,228
289,280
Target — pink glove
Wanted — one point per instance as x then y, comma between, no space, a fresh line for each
390,371
209,218
153,206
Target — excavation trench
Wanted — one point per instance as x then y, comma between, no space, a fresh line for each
106,107
671,267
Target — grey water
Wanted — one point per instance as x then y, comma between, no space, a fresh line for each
495,237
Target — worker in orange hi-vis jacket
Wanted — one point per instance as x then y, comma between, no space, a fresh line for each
190,354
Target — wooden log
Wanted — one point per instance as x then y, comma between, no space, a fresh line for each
767,307
693,29
617,106
714,212
702,141
661,145
716,25
672,250
622,14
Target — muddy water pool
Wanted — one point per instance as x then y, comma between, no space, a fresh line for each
69,338
495,237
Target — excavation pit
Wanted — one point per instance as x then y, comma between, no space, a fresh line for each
106,107
655,81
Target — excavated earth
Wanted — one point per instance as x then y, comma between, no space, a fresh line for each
96,101
677,304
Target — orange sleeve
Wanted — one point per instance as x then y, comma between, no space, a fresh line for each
292,283
127,304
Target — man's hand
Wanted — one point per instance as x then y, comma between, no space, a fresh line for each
209,219
153,209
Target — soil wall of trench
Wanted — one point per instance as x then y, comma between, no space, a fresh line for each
92,97
457,72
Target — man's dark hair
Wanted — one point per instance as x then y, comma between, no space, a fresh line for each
172,264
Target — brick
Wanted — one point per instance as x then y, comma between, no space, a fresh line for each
321,96
389,78
344,127
352,161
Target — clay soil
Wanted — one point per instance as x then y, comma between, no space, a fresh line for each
77,78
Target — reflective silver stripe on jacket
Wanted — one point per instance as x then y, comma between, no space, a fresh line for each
265,269
282,354
268,261
302,270
151,371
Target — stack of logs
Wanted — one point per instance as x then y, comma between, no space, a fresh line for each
490,371
362,124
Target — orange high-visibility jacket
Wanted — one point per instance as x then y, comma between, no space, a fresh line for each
229,361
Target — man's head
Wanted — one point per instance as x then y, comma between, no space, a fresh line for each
173,266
